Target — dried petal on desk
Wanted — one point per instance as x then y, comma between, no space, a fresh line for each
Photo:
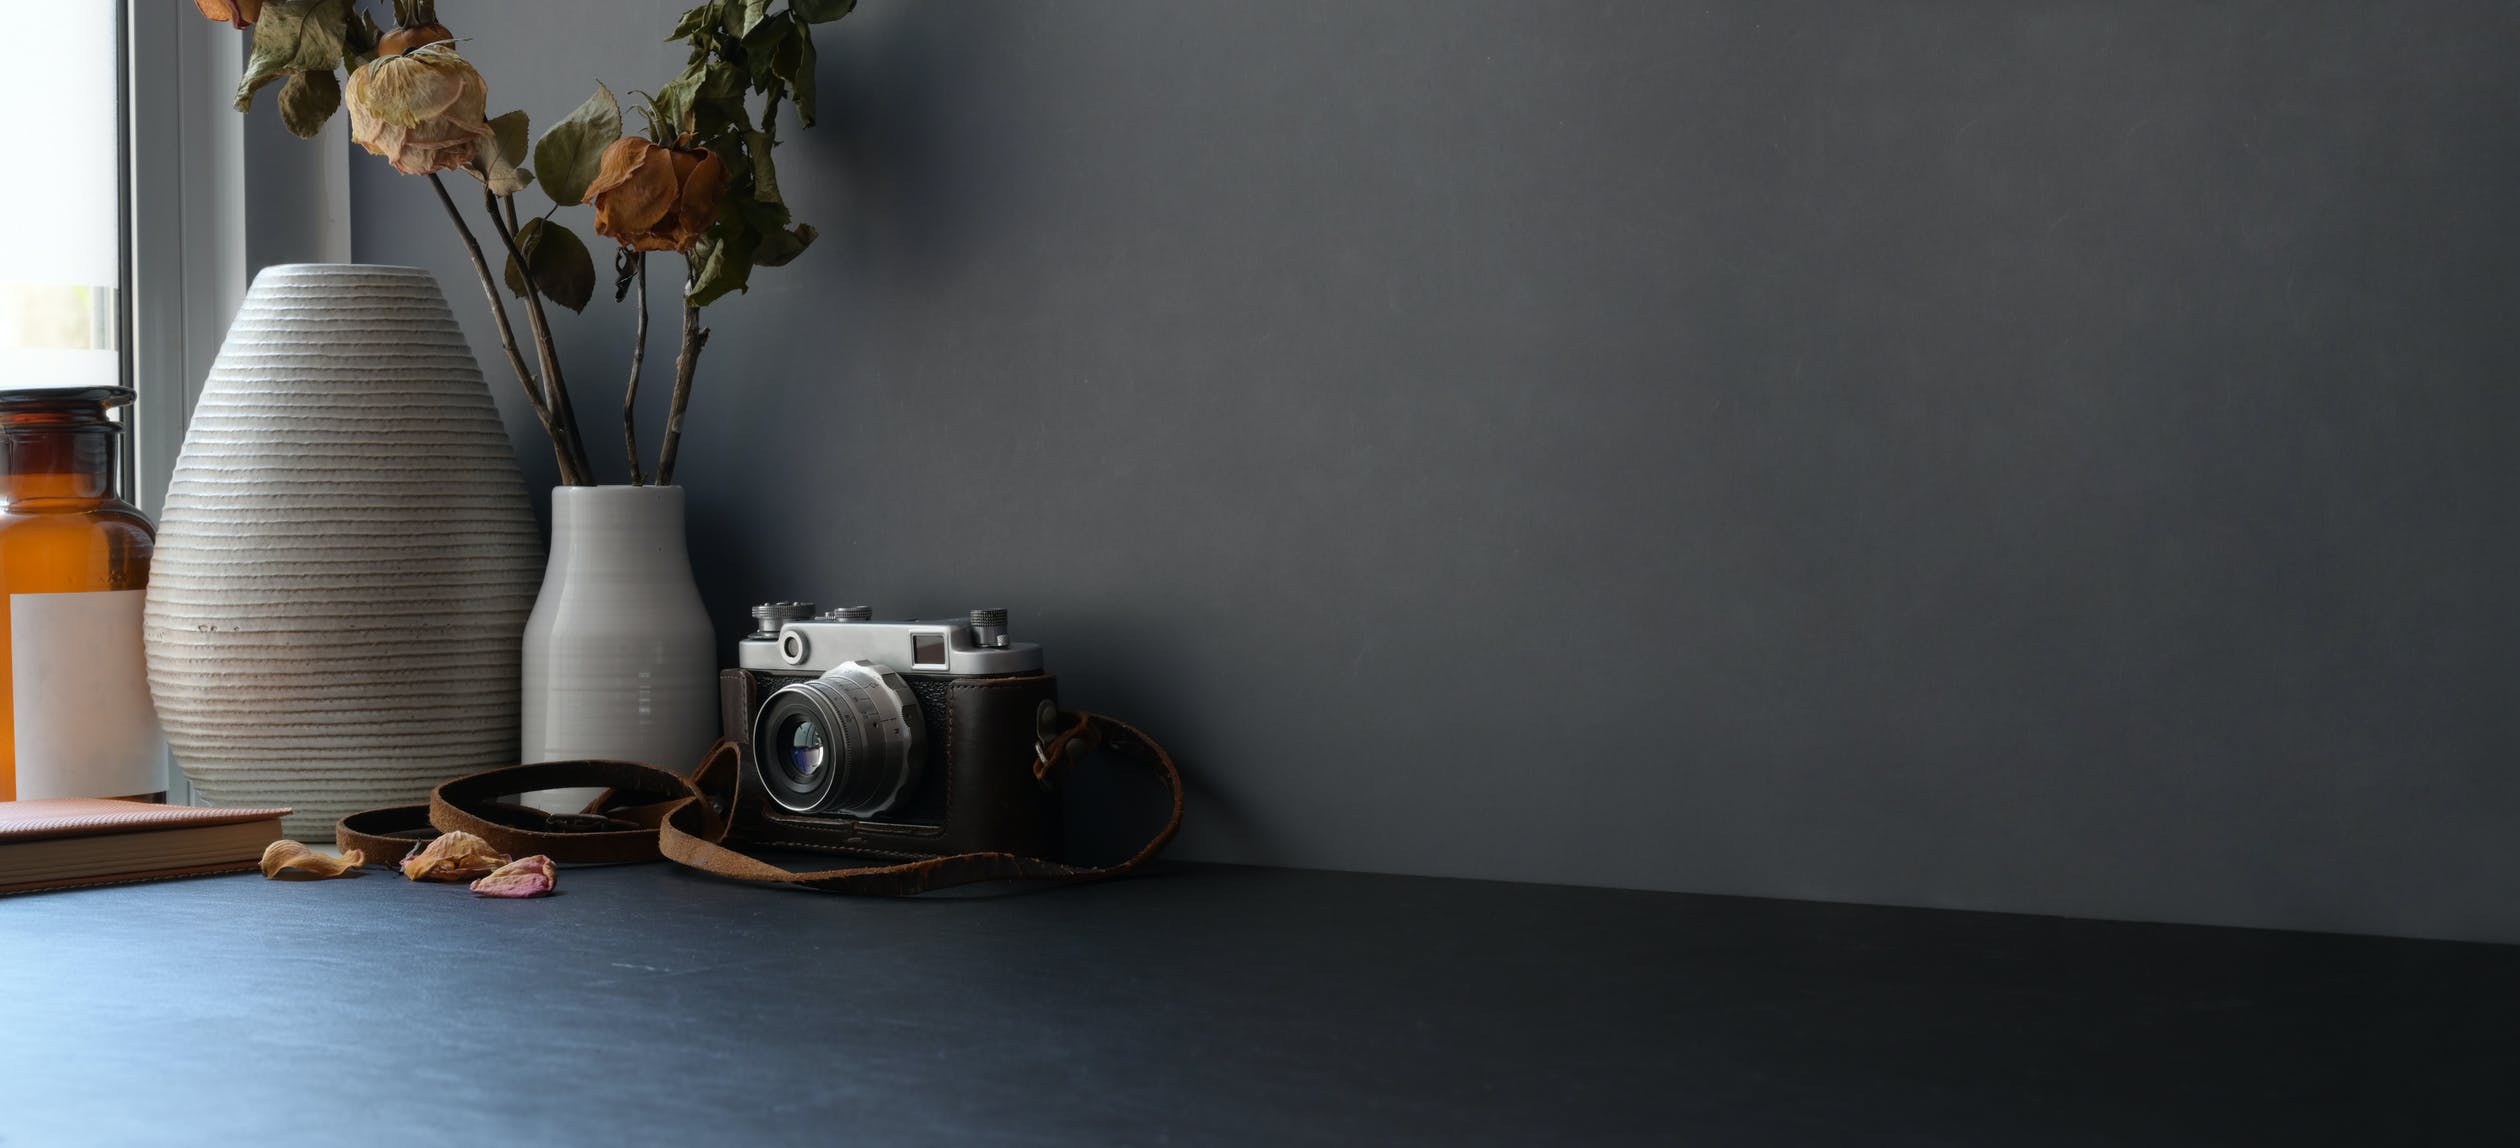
291,857
523,877
457,856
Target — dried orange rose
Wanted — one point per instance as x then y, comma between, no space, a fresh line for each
524,877
240,13
292,857
457,856
422,110
652,197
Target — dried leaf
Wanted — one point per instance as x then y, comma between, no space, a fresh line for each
795,64
307,100
291,857
820,11
725,258
524,877
673,102
697,20
457,856
359,38
765,173
762,42
563,270
571,153
291,38
498,164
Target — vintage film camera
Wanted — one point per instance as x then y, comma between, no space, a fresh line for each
892,739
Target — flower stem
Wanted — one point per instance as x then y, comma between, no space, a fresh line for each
507,338
556,386
694,337
638,355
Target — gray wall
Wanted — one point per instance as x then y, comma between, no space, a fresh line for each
2046,456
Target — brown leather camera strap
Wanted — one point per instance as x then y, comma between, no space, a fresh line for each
618,833
694,833
647,813
384,835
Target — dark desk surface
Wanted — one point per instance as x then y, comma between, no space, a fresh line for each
1211,1004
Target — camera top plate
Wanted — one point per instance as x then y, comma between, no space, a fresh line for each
943,647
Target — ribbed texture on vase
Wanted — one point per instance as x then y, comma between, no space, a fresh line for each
346,559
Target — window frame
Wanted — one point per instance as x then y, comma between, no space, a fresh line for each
192,237
177,193
183,225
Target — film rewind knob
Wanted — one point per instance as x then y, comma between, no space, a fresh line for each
769,616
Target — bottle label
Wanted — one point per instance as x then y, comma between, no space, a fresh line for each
85,726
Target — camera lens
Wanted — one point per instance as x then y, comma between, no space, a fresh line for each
846,743
803,741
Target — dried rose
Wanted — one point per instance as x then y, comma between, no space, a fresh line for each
291,857
422,110
524,877
653,197
457,856
240,13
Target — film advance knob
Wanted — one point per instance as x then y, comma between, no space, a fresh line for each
988,627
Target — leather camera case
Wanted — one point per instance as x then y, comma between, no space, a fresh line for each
978,792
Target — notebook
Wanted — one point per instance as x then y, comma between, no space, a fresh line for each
63,843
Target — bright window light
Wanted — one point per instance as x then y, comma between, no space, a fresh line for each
58,285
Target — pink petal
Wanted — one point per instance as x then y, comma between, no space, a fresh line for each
524,877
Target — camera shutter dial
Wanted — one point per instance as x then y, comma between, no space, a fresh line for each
846,743
988,628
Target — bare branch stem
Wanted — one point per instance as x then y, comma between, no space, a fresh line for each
694,337
638,355
507,337
555,385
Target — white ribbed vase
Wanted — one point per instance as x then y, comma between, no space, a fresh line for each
347,557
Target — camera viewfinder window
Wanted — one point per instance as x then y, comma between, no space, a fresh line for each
927,651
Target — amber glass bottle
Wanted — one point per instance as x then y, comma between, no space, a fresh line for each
75,718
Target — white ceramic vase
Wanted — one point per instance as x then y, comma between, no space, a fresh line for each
346,557
620,660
